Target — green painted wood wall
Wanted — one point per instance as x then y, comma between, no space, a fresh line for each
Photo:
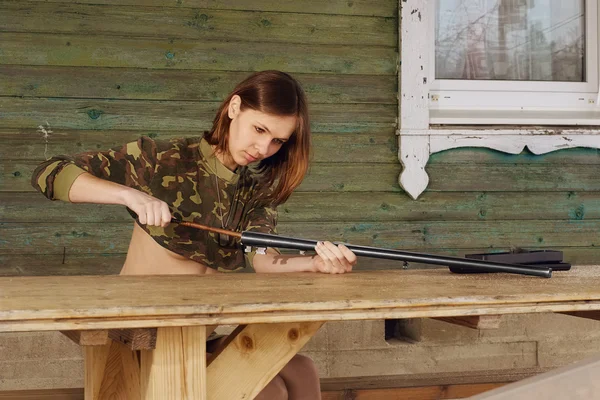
97,73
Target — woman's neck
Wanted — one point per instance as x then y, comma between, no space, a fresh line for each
225,159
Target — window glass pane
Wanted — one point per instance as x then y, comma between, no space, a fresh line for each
530,40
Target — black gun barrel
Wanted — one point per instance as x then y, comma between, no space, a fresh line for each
257,239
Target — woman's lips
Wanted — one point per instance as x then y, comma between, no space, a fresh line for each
249,157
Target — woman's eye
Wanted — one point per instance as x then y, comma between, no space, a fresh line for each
278,141
258,129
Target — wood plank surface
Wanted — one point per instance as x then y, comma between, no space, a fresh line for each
345,177
110,264
180,116
88,338
176,369
28,207
371,147
259,352
105,51
149,84
84,302
344,7
197,24
473,155
82,238
61,264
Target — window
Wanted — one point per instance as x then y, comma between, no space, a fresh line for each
514,62
474,73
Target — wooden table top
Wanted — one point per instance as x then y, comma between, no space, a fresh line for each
102,302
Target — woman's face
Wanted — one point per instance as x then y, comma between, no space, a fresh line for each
254,135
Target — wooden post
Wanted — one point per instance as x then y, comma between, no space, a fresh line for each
176,368
258,352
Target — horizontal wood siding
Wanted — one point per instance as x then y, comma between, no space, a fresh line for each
98,73
102,73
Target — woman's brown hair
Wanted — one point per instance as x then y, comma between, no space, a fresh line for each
276,93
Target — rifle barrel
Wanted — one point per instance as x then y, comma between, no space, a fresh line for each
257,239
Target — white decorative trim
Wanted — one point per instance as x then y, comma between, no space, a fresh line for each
415,138
413,154
414,65
415,149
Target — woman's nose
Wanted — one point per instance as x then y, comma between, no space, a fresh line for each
263,145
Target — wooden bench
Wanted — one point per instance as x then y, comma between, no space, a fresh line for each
277,314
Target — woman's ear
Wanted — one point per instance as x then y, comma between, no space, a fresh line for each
235,104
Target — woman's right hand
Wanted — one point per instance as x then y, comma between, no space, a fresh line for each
150,210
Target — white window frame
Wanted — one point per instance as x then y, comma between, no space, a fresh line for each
425,129
489,102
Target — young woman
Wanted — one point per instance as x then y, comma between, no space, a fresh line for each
251,160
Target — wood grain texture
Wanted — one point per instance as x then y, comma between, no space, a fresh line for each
88,338
28,207
344,177
81,238
185,85
30,145
104,51
135,339
63,303
110,264
95,362
197,24
176,369
259,352
179,116
363,7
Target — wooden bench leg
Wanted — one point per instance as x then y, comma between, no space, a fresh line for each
254,356
111,372
176,368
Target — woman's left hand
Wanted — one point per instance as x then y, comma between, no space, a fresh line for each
333,259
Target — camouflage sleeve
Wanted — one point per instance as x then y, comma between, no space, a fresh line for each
132,164
262,215
261,218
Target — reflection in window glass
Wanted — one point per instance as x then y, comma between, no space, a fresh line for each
532,40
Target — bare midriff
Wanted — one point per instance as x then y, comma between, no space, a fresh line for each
146,257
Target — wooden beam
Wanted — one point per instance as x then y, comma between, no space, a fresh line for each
95,358
88,338
475,321
135,339
112,372
258,352
176,368
593,314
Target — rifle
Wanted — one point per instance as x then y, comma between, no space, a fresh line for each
250,239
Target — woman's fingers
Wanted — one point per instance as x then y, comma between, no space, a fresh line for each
330,256
335,259
338,260
166,215
151,211
349,256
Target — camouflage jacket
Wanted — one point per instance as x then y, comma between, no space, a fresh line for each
186,175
